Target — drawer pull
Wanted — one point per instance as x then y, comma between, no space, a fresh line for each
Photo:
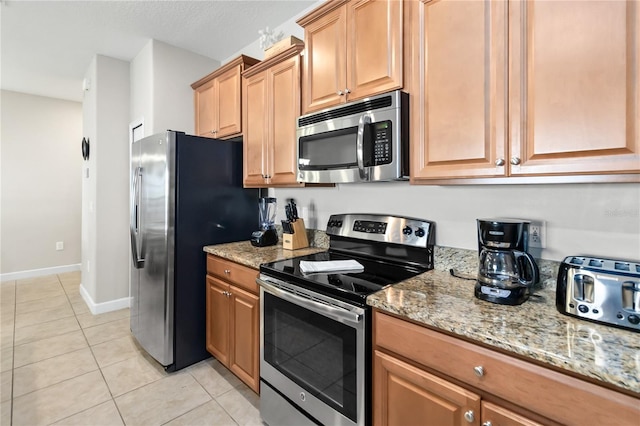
479,370
227,271
487,423
469,416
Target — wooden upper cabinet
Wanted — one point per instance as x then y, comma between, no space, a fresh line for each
459,88
217,99
574,89
271,105
353,50
524,88
255,120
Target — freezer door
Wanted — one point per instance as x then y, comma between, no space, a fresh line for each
152,288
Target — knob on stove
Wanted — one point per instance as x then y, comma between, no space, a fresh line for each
407,230
419,232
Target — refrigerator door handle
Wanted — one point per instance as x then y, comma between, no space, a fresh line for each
138,262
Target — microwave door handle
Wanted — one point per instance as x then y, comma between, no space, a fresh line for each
364,120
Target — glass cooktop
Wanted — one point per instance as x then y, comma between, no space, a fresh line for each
348,286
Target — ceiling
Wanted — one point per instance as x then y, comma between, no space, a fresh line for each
48,45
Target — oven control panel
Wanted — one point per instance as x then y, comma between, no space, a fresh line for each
370,226
383,228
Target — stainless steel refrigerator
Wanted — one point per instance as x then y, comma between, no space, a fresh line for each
186,192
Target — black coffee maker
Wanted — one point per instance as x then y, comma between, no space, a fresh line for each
506,272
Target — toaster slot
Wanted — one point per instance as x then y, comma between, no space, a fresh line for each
631,296
583,288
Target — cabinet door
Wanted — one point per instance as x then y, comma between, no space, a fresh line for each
324,76
284,93
205,109
495,415
574,87
228,109
374,50
218,319
245,333
404,395
458,106
255,129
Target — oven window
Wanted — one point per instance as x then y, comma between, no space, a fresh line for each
314,351
329,150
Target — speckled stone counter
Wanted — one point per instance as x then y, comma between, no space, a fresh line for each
246,254
535,329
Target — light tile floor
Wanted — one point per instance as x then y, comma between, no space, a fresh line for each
63,365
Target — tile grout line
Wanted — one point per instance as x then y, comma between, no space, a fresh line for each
75,315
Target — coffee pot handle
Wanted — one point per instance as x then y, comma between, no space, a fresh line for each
535,274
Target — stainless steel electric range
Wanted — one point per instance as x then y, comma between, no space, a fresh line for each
315,328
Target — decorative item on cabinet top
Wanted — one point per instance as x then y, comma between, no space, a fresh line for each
281,46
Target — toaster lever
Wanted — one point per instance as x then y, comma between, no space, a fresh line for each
583,288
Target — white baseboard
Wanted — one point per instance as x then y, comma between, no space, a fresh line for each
101,308
21,275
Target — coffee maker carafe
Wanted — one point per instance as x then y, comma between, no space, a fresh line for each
267,235
506,272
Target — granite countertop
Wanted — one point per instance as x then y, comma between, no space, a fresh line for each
535,329
245,254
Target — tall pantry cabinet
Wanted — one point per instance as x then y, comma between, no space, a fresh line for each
524,88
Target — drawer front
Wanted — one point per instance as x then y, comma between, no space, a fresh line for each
549,393
239,275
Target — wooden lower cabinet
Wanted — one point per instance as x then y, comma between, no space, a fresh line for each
233,319
425,377
406,395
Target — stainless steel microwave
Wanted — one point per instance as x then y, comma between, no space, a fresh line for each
361,141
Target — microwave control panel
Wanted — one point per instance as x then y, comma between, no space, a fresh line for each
381,143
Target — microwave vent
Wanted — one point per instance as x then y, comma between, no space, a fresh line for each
355,108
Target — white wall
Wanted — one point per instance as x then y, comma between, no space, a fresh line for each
161,94
105,202
597,219
41,195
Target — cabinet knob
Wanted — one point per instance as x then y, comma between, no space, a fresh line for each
340,93
515,161
479,370
227,271
469,416
487,423
347,91
500,162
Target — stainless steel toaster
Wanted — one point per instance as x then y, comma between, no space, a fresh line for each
600,290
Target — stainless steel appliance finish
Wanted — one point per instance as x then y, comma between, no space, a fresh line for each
350,316
315,329
180,203
601,290
361,141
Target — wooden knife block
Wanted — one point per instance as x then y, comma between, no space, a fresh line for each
298,239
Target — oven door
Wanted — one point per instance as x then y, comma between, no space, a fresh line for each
313,352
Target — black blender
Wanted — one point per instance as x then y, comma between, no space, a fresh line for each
267,235
506,272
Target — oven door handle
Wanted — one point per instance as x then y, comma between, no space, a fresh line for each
338,314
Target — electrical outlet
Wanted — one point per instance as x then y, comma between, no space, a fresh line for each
537,234
60,245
